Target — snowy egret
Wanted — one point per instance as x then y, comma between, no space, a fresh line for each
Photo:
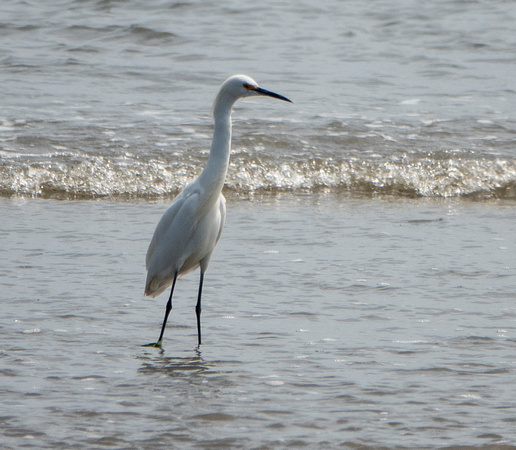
188,232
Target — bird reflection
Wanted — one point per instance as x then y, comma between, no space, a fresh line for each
176,367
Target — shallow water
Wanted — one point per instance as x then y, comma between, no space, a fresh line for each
326,322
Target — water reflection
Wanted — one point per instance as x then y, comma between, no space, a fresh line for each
176,367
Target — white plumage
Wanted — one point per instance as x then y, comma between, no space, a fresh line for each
188,232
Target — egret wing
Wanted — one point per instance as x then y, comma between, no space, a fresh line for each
168,248
165,221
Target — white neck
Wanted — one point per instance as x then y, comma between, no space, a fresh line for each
213,176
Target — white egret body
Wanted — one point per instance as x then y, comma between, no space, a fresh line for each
188,232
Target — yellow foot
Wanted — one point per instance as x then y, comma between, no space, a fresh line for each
153,344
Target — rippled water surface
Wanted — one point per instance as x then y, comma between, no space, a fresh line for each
363,291
370,322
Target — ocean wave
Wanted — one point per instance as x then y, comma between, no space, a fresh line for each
69,175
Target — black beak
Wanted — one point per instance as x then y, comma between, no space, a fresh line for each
271,94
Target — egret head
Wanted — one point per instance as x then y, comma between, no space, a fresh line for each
240,86
252,88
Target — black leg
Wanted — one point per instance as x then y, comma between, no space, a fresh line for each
198,309
168,308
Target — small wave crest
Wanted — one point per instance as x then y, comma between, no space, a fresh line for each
71,176
423,178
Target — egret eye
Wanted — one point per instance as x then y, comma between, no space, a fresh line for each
250,87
